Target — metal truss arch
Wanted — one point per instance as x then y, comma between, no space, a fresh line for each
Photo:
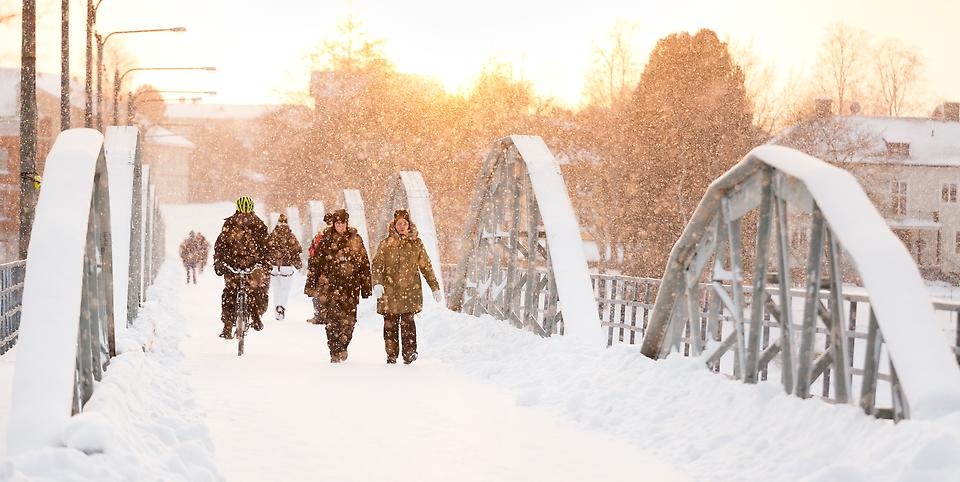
845,230
522,256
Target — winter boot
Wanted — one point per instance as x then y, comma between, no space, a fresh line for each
413,357
281,311
227,332
391,361
257,324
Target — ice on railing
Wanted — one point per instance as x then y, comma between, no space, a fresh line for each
120,150
564,240
42,393
925,365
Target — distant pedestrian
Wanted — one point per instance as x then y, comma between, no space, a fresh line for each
400,260
283,250
342,275
203,251
190,256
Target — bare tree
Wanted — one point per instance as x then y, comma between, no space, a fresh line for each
771,98
615,71
842,63
898,73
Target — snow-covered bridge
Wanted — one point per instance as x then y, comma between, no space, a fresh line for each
118,373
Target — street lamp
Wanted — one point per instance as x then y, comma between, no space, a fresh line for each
118,80
101,42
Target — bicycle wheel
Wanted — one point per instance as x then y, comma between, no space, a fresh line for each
241,320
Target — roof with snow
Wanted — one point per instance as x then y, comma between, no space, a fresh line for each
159,136
880,140
189,110
46,83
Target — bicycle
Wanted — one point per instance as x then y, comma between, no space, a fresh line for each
242,316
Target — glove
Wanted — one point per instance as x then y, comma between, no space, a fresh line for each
438,296
218,268
377,291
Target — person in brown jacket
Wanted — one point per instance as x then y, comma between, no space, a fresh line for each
400,259
190,256
319,317
284,250
341,276
242,245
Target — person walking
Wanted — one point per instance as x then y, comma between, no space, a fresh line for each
400,260
242,245
283,250
312,287
342,275
189,255
203,251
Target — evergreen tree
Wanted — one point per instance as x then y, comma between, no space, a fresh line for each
690,121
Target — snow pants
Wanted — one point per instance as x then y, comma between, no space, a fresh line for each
191,269
340,324
396,327
281,279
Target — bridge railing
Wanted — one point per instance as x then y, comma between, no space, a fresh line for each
11,298
95,247
625,303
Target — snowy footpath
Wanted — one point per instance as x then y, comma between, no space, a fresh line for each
485,401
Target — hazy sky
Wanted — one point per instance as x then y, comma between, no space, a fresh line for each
260,48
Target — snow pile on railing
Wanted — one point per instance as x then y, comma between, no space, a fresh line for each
142,422
716,429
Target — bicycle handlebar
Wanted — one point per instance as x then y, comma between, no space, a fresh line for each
247,271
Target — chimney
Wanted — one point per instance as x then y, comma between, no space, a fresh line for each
951,111
824,108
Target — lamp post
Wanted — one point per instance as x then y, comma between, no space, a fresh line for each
118,80
88,84
101,42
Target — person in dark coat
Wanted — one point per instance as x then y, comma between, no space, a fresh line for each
342,277
312,288
241,245
203,251
284,251
189,255
400,260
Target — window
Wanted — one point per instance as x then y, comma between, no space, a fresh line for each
948,193
4,160
898,190
957,243
898,149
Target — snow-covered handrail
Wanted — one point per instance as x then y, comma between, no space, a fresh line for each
845,230
406,190
522,247
95,214
64,345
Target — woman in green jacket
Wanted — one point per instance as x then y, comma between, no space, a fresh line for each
397,266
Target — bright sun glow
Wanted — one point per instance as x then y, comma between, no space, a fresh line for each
261,49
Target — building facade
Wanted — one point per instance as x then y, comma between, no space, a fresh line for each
910,169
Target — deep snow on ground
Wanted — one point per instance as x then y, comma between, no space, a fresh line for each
485,401
142,422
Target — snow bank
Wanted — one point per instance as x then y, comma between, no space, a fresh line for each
142,422
715,428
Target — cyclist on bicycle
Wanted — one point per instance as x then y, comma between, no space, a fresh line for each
242,245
